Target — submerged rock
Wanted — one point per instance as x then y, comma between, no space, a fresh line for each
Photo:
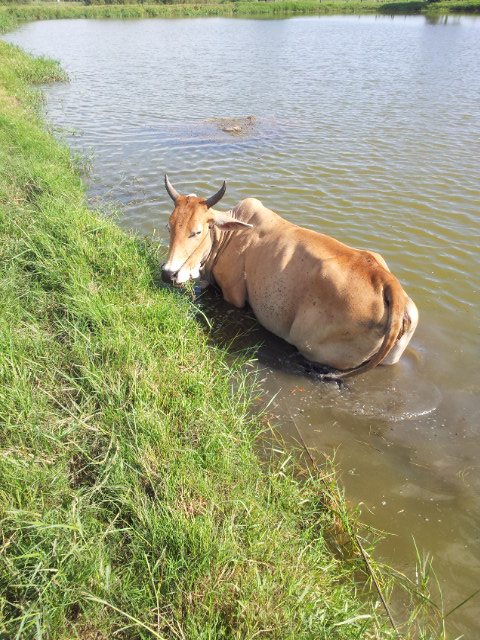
237,126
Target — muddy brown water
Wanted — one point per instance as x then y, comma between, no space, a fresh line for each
365,128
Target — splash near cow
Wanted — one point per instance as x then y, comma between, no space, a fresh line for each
340,307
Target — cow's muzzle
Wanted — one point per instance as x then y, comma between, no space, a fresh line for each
168,276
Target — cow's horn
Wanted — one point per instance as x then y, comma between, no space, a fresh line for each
172,192
212,201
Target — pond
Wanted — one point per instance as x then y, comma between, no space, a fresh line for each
364,128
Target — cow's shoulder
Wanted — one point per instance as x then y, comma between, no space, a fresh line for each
255,212
250,204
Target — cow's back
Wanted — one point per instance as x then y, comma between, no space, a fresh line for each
317,293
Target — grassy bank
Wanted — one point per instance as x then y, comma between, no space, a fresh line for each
131,499
12,14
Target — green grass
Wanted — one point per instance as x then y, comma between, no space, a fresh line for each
14,13
131,498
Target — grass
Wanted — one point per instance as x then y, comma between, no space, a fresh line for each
12,14
132,503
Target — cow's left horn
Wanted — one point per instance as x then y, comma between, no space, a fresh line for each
212,201
172,192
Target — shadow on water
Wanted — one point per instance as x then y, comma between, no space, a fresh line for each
395,9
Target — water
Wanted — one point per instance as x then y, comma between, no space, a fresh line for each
367,129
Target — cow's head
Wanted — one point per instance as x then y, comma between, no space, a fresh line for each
191,239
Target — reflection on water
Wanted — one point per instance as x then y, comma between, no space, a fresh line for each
367,129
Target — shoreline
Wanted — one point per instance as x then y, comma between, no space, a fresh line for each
11,15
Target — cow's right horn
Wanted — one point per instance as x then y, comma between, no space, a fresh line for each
172,192
212,201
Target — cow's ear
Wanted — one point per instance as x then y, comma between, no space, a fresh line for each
226,222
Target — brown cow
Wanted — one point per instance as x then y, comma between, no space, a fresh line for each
339,306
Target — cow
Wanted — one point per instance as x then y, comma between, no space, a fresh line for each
340,307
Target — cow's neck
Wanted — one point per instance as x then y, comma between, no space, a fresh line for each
220,240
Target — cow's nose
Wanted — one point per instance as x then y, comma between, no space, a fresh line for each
168,276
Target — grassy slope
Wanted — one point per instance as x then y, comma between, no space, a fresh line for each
130,494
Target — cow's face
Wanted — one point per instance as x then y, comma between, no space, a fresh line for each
190,241
190,233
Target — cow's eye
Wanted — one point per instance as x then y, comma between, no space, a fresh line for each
195,233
